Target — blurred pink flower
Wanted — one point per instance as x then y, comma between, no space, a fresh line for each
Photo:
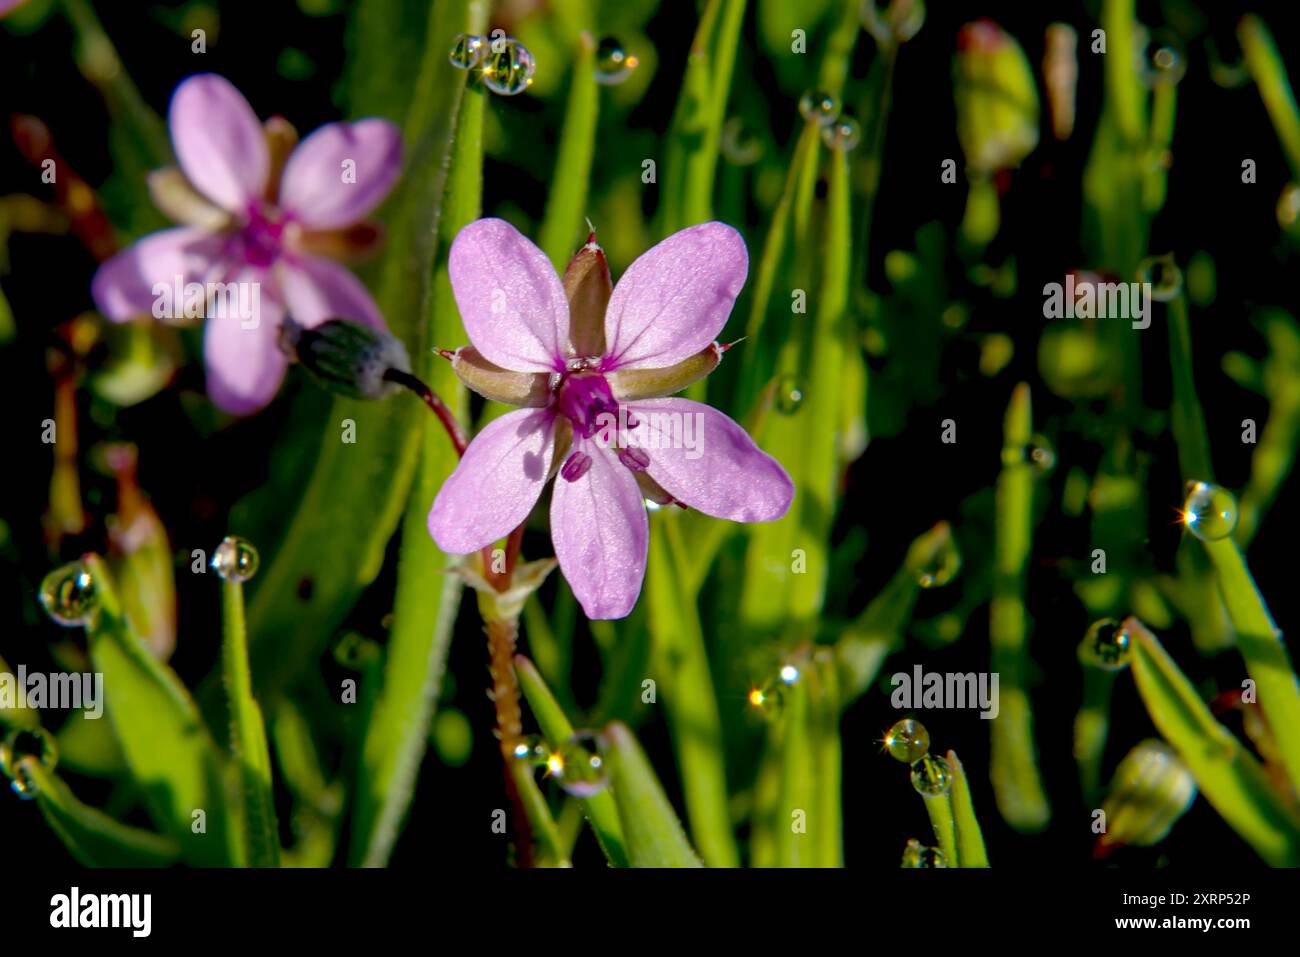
593,365
258,217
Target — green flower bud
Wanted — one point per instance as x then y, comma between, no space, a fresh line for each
997,100
347,357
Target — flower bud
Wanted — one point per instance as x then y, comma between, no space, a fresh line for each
1151,790
347,357
997,100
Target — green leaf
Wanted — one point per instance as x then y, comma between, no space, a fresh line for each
426,602
970,838
173,758
259,837
1012,763
562,226
681,666
352,501
90,835
1269,72
600,808
654,835
1260,643
1227,774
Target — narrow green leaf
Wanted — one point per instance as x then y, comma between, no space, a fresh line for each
173,759
1012,762
259,832
970,838
600,809
1260,642
1227,774
90,835
354,497
939,808
1269,72
562,226
681,666
654,835
426,602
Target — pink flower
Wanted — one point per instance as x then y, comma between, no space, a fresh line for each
593,365
256,219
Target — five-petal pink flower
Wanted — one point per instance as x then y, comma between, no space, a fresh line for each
575,353
255,214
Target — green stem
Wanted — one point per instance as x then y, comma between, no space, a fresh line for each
1269,72
563,222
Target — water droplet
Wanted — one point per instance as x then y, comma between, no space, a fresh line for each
579,766
819,106
1288,206
354,651
613,63
843,134
1106,645
739,144
1163,274
23,743
931,776
917,854
908,741
1040,454
1210,511
789,396
1163,61
532,750
235,559
892,21
789,674
941,566
511,71
768,698
69,596
467,51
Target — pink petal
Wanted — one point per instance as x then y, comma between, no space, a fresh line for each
509,296
497,483
317,289
600,532
724,474
244,366
675,298
315,189
219,141
123,287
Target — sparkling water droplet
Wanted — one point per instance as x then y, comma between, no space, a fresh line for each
819,106
768,698
918,855
69,595
509,72
892,21
739,144
1106,645
467,51
843,134
613,63
579,766
1163,61
235,559
1163,274
1210,511
941,566
532,750
21,744
908,741
789,674
789,396
931,776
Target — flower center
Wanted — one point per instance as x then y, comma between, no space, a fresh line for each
261,236
584,398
